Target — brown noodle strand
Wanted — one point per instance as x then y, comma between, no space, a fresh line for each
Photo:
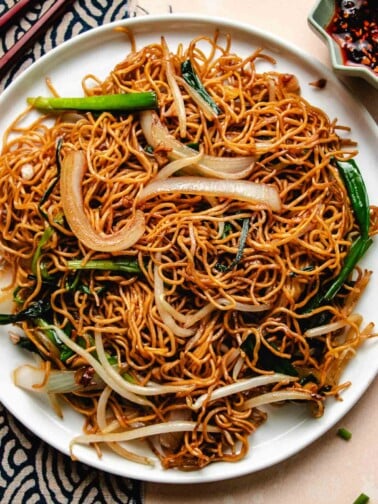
192,242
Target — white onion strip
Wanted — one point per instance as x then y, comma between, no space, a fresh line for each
157,135
37,379
176,165
151,389
278,396
242,190
7,274
72,172
31,378
123,390
241,386
142,432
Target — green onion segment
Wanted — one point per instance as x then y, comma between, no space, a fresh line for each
344,433
126,264
190,77
113,102
356,188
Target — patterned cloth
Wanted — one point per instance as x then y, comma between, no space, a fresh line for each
33,472
78,17
30,470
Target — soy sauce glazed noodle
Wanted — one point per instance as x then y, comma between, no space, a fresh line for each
210,321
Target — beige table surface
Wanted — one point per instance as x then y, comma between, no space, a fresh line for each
330,471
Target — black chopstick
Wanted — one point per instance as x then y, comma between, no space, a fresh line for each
14,52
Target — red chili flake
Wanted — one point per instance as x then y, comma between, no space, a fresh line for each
354,27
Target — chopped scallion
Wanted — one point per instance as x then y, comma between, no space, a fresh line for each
362,499
50,189
344,433
356,252
241,246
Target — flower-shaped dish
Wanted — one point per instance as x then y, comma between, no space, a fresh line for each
319,20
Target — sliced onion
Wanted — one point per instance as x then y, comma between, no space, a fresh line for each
157,135
7,280
72,172
30,377
242,190
42,380
27,171
176,165
39,379
278,396
241,386
238,367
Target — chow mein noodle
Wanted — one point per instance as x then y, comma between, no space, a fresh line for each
177,268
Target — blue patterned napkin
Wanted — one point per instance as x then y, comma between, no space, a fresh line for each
78,17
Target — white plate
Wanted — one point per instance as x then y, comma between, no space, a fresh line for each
288,429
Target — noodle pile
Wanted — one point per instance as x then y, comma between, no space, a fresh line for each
212,323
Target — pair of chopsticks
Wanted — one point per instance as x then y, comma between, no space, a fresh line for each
11,56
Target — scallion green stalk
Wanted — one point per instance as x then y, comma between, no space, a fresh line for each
35,310
47,234
125,264
98,103
356,188
191,78
356,252
241,247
